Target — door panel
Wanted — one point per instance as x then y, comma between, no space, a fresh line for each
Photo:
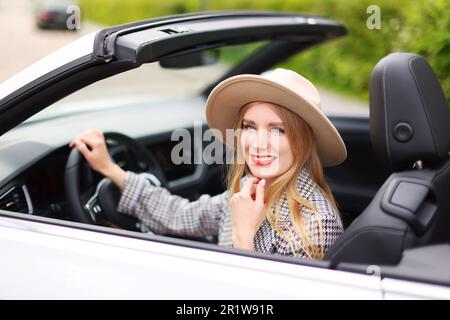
43,261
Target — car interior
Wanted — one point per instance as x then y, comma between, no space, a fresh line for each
45,180
392,190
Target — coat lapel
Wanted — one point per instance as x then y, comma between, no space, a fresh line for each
305,187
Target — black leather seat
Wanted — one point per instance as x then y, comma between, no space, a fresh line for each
410,131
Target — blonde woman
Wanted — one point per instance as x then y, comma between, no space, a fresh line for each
277,200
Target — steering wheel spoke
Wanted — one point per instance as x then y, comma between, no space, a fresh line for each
92,205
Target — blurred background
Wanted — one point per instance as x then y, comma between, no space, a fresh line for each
30,29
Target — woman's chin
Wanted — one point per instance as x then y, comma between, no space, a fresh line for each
264,172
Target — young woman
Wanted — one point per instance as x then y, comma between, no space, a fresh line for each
277,200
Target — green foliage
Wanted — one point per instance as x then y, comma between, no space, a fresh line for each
422,27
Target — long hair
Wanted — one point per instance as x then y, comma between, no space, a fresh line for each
303,146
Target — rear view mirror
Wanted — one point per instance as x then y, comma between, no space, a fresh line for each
189,60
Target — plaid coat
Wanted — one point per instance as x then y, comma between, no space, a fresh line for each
165,213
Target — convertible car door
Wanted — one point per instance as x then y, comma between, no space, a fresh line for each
41,260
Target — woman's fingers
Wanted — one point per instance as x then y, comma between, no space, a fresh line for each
247,187
83,149
93,133
90,141
260,192
92,145
86,142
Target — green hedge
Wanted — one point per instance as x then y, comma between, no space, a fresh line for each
344,65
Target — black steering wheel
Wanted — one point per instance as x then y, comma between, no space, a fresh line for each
100,203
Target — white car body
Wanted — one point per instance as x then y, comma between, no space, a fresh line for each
44,259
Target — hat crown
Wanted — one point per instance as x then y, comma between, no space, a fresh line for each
295,82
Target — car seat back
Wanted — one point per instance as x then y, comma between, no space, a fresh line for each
410,132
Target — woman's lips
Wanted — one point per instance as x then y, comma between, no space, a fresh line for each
262,160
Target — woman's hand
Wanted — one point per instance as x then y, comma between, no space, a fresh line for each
92,146
247,213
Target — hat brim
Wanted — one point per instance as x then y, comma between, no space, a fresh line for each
226,100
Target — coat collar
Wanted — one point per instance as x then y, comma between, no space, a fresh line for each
305,184
305,187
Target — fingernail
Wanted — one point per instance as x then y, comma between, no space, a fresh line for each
263,182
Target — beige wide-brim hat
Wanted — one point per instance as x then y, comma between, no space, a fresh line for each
282,87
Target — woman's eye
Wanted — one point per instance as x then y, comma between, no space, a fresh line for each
247,126
277,130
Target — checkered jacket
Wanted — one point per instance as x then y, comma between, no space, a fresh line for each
165,213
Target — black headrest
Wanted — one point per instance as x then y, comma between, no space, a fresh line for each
409,115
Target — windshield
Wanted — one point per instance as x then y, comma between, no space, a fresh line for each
149,83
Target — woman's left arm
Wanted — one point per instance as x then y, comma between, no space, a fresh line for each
331,231
330,222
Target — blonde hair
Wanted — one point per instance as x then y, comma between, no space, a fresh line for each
299,133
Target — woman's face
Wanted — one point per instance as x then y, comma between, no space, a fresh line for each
264,143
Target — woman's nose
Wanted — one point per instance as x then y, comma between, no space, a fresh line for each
261,141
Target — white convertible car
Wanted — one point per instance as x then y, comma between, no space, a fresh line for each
139,82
